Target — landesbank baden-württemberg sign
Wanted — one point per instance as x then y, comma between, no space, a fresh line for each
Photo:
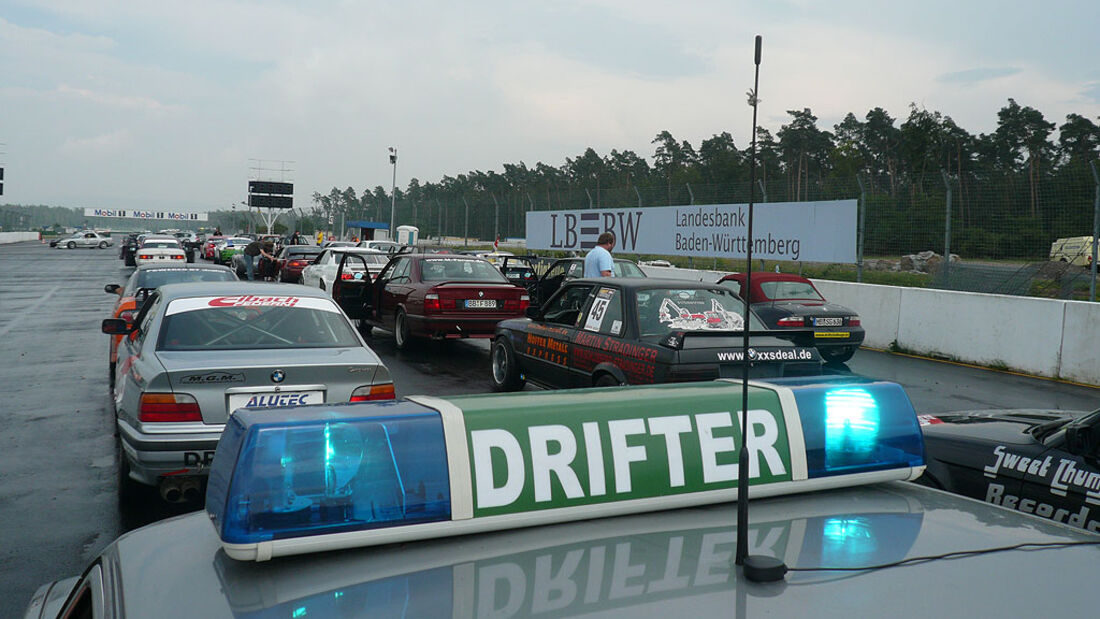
823,231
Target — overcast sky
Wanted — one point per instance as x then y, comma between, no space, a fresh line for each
162,105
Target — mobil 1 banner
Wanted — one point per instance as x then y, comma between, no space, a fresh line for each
823,231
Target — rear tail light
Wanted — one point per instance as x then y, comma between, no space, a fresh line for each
853,321
791,321
169,407
432,303
179,256
524,302
347,276
368,393
297,263
521,304
145,256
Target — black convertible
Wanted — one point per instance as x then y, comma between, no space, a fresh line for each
616,331
1041,462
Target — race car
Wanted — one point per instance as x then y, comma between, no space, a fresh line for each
147,278
196,352
788,301
436,296
87,238
159,250
617,331
1040,462
608,503
226,248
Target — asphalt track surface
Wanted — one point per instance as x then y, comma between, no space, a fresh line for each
58,506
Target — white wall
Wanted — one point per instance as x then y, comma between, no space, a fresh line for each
1081,342
16,237
1045,337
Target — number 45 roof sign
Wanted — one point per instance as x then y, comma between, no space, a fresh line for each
304,479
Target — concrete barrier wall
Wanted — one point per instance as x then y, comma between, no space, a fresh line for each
1045,337
1081,342
16,237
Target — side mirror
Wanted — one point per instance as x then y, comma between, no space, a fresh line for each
111,288
1082,440
116,326
533,312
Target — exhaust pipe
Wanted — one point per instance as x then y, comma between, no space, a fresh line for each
190,490
171,491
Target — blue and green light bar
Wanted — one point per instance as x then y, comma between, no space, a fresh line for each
312,478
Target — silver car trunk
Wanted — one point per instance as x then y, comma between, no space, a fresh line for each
267,377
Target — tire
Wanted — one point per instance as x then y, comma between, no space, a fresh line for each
111,376
837,355
504,368
103,244
70,245
607,380
401,335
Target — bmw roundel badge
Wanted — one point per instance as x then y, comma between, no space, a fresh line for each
480,293
278,376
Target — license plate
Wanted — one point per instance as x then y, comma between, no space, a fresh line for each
269,399
828,322
481,303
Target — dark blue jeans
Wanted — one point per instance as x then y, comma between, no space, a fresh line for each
248,266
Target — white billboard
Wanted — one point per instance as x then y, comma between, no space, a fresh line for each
823,231
138,214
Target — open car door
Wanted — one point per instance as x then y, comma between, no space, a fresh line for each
352,286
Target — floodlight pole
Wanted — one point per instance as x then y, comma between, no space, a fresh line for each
743,451
393,195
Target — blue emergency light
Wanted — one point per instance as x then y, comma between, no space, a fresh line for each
311,478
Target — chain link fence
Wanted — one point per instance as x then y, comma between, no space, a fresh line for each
999,229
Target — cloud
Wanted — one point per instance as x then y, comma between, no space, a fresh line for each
105,144
1092,91
974,76
120,101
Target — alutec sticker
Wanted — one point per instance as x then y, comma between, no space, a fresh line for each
619,451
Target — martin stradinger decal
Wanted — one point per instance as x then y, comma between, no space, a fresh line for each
717,319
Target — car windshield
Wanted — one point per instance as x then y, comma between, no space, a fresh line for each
457,269
664,310
255,327
790,291
625,268
155,278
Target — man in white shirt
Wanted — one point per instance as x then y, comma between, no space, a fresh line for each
598,262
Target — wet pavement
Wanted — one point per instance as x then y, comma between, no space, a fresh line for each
58,506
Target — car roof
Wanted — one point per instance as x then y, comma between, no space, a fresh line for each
639,566
207,289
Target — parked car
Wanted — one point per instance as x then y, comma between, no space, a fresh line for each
208,247
389,247
86,239
619,331
789,301
321,273
291,259
196,352
568,269
1076,250
147,278
227,248
159,250
522,271
428,296
1040,462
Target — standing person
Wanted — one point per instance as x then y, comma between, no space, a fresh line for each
295,238
253,249
598,262
320,238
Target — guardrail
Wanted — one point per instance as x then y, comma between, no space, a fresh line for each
1043,337
18,237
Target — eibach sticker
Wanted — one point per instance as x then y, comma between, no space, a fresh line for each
249,300
682,319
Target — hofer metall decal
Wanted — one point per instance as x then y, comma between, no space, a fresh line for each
614,452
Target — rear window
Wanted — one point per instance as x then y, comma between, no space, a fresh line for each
155,278
790,291
457,269
160,245
371,258
254,322
664,310
627,269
